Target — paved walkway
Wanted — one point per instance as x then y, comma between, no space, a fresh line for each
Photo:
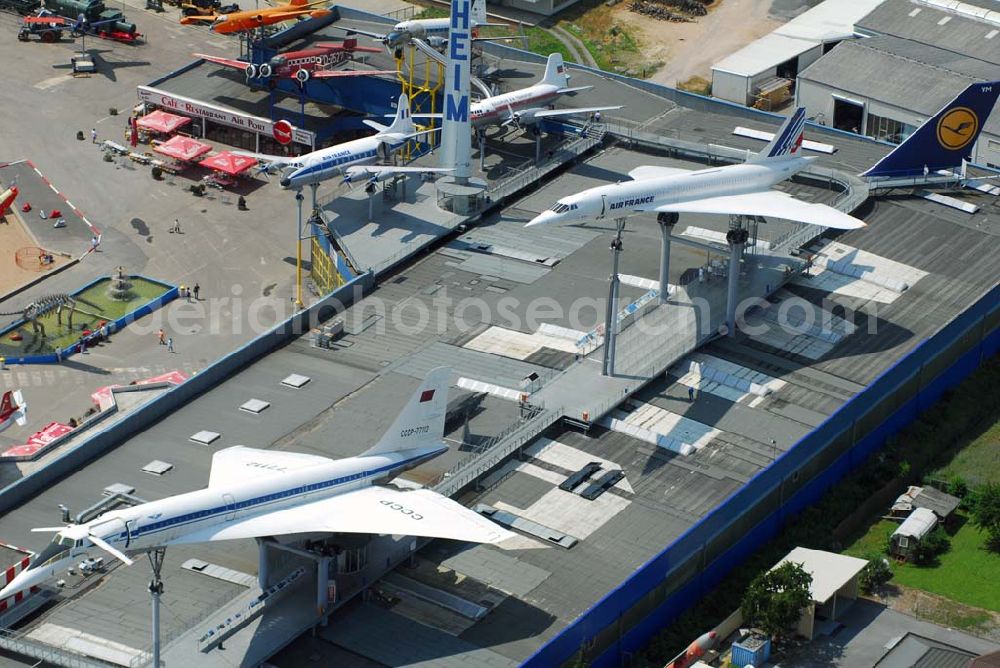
576,47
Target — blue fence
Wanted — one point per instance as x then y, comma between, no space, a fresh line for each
624,620
113,325
142,417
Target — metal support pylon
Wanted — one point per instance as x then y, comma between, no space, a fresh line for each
611,316
737,238
667,222
155,591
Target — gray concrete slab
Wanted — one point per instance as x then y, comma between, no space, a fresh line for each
868,632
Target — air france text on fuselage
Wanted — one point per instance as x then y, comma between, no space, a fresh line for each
629,203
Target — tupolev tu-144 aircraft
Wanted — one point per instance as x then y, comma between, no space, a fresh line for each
256,493
944,140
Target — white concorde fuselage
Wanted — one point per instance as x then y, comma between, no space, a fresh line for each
623,199
174,519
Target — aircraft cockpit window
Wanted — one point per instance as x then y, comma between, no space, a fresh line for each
64,541
560,208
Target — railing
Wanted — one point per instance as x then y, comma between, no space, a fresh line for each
17,643
145,657
466,472
571,150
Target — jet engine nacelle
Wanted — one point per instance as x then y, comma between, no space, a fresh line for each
436,42
302,76
265,71
250,71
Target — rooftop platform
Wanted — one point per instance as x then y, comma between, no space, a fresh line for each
472,300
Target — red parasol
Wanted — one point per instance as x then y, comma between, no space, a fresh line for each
161,121
229,163
182,148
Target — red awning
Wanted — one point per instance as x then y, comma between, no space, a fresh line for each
182,148
229,163
161,121
38,441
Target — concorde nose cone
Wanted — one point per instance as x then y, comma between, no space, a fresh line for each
544,218
285,182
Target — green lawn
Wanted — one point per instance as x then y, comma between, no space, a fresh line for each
978,462
967,573
98,306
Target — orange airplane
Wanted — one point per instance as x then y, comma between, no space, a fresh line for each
254,18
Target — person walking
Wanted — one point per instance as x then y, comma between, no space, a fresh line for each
197,290
170,344
177,226
690,394
94,243
93,135
163,337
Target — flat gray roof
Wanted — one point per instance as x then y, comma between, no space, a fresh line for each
356,389
902,73
926,24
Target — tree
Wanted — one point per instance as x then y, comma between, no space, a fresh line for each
986,513
876,573
775,599
931,546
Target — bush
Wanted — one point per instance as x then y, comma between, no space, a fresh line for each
986,513
79,135
876,573
931,546
157,172
958,487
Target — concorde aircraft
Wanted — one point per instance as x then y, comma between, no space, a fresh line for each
335,160
944,140
256,493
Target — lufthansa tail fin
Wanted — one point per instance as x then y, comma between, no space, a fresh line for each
402,123
555,71
945,139
787,140
421,424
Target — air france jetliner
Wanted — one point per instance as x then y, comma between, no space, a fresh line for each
329,162
433,31
733,189
257,493
944,140
13,409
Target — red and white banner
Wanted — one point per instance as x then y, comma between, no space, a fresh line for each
236,119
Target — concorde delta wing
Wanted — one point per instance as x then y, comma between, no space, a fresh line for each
770,204
374,510
239,463
655,172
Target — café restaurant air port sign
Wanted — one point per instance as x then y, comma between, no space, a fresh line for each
235,119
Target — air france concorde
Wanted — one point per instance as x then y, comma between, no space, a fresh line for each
943,141
256,493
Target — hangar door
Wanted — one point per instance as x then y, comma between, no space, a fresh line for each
848,114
